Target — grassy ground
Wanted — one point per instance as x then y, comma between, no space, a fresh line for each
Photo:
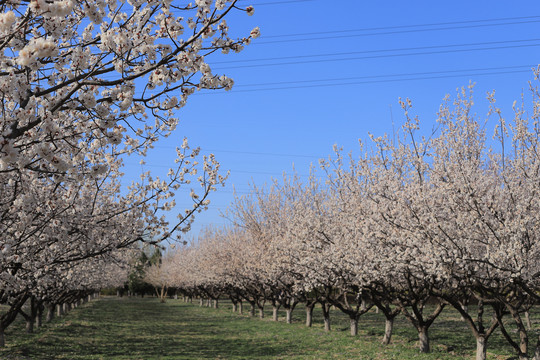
129,328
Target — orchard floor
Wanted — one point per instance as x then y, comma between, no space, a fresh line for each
135,328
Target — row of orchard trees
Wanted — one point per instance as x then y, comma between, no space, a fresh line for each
84,84
449,218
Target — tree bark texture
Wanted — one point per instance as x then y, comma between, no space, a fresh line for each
50,312
289,315
309,316
481,348
326,316
354,326
388,329
423,338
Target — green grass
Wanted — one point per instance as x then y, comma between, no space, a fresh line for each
134,328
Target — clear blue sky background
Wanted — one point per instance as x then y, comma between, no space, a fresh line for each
338,68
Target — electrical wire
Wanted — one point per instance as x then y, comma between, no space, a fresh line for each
377,56
391,32
450,75
401,26
375,51
524,67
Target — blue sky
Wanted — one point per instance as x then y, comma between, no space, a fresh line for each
326,73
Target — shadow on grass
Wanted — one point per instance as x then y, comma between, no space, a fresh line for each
128,328
142,329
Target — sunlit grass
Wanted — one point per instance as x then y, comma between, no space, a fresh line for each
135,328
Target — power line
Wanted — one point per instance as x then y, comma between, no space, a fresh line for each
393,32
379,56
231,170
248,152
402,26
389,75
262,153
375,51
370,82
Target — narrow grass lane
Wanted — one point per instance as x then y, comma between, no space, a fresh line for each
128,328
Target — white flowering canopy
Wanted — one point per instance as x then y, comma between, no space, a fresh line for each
84,83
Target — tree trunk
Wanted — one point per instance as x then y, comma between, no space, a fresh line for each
2,338
50,312
39,316
465,308
252,309
289,315
354,325
275,313
208,302
234,307
388,328
523,345
481,348
59,310
201,302
261,313
528,320
240,308
537,349
30,325
309,315
423,338
216,304
326,316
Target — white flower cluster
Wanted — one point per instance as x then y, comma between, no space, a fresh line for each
35,49
443,220
84,84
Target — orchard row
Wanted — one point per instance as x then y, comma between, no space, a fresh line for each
451,217
84,85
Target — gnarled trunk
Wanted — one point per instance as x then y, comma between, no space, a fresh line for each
289,315
309,315
354,325
50,312
423,338
2,338
30,325
528,320
388,328
275,313
39,316
481,348
326,316
537,349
